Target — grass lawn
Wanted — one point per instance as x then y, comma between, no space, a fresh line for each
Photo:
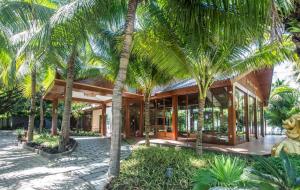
147,168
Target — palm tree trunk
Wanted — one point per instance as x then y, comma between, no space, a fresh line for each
114,164
199,145
65,125
41,114
32,106
147,118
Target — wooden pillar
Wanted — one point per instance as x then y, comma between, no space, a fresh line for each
262,120
141,126
265,126
127,119
212,113
231,116
54,117
246,100
174,116
186,115
103,124
255,119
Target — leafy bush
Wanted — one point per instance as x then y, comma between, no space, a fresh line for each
84,133
46,140
294,159
20,133
273,177
223,171
146,169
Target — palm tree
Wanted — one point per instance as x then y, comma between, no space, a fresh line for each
114,164
63,33
34,13
220,52
146,76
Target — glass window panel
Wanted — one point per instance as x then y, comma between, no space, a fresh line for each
216,116
239,97
251,117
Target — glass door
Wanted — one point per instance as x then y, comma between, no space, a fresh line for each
251,118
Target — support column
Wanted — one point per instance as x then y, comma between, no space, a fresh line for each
262,121
265,126
103,124
127,119
141,126
174,116
255,119
187,116
54,117
231,116
247,117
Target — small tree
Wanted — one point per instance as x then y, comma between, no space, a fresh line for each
284,102
145,76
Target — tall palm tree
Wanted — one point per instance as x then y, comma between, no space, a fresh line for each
146,76
217,60
64,32
33,14
224,50
114,164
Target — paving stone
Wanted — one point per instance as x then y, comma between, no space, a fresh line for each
84,169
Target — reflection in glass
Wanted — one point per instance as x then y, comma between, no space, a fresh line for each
240,116
251,118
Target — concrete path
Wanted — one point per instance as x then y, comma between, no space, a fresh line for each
86,168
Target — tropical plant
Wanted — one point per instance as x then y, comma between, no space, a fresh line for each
8,98
223,171
176,44
67,33
146,168
77,112
145,76
34,14
19,133
114,164
274,178
283,104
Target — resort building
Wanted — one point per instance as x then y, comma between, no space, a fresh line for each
233,110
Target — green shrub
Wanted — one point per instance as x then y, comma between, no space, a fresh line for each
20,133
223,171
295,160
84,133
272,177
46,140
146,169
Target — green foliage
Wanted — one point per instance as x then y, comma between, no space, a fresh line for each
146,169
9,99
223,171
84,133
276,161
77,110
20,133
274,177
46,140
282,105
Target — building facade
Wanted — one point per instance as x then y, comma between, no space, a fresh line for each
233,110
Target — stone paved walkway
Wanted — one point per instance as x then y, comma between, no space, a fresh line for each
86,168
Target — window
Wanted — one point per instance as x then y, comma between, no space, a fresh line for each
240,115
251,117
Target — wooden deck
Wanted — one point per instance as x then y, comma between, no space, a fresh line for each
261,147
